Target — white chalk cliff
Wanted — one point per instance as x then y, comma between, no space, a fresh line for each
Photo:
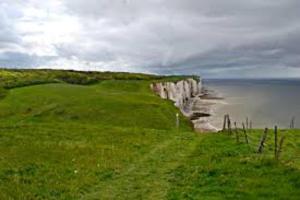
186,94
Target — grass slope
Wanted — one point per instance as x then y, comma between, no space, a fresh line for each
116,140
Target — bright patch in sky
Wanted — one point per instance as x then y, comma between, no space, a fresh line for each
233,38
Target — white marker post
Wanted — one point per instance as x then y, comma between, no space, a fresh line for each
177,120
177,130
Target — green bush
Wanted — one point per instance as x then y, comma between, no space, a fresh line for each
77,78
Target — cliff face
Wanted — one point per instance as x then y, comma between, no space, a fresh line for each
187,94
182,92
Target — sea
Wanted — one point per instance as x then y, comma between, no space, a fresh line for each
265,102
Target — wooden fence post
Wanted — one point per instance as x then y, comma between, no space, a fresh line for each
229,124
225,122
245,134
275,142
262,141
236,133
247,123
292,124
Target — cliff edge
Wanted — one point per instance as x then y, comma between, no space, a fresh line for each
187,96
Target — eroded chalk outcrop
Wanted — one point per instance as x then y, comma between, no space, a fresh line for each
187,96
181,92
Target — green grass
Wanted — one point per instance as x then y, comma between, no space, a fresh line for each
219,168
115,139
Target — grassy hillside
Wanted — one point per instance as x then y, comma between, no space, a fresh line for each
115,139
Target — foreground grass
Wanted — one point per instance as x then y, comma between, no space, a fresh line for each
219,168
116,140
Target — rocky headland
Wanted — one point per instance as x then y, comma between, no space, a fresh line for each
193,100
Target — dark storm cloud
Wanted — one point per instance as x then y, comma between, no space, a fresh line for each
212,38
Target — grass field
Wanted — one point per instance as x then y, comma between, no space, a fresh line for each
115,139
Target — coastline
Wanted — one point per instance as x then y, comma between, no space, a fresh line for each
196,102
207,103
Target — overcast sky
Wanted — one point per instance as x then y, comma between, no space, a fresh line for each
212,38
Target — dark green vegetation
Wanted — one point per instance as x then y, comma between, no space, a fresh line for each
17,78
115,139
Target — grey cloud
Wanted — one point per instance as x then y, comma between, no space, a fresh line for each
212,38
23,60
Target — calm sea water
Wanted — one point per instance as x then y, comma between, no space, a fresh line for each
265,102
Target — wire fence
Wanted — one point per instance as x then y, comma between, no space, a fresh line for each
271,142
